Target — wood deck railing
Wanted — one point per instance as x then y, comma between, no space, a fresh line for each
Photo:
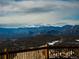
40,53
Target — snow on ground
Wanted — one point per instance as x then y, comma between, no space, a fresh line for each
52,43
77,40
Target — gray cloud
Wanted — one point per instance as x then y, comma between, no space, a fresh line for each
38,11
36,7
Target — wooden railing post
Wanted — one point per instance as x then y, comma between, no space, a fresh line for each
6,54
47,51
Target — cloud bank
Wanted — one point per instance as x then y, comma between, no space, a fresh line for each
53,12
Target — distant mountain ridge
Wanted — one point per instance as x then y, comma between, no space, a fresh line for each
21,32
22,26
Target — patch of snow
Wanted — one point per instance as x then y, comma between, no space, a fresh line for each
52,43
77,40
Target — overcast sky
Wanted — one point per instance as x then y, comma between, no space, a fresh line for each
53,12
